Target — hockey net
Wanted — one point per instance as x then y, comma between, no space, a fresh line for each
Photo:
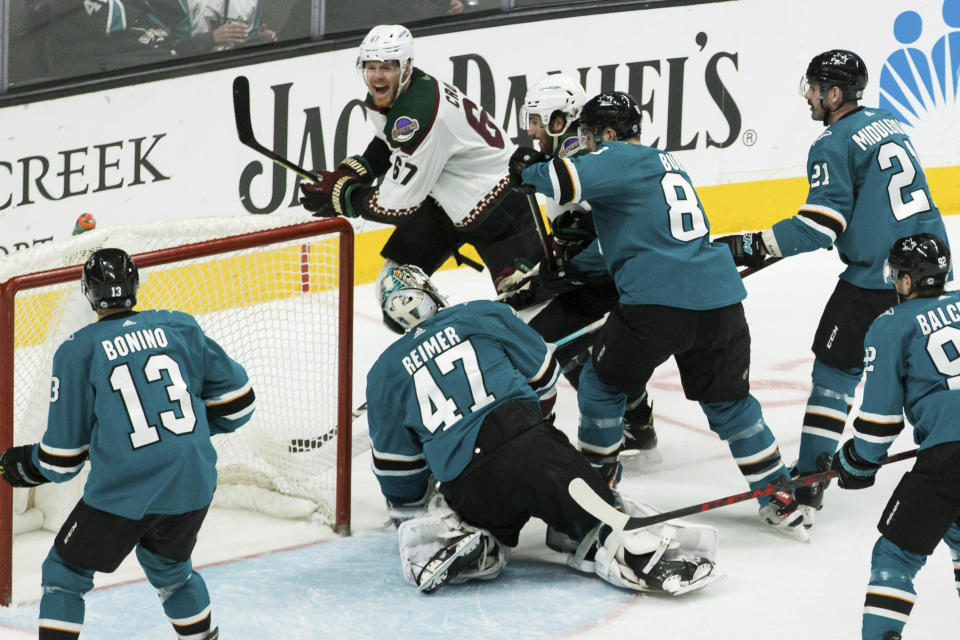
276,293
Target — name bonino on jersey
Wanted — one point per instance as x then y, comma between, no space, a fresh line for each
429,348
936,318
876,131
134,341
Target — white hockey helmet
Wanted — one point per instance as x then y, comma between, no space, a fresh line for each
408,297
556,92
386,42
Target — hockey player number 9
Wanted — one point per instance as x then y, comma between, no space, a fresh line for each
947,364
430,395
143,432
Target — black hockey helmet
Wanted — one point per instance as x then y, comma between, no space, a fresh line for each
922,256
614,109
839,68
110,280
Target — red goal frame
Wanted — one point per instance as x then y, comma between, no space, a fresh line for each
9,289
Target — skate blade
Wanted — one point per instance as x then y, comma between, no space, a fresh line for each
699,584
798,532
637,461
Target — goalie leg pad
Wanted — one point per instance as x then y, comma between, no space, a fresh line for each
669,558
421,540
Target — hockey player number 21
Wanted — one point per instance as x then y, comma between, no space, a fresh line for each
904,178
143,432
429,394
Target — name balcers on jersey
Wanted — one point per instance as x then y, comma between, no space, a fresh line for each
141,393
867,189
653,233
442,145
911,368
430,391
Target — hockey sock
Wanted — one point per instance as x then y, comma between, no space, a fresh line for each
890,594
826,413
740,423
62,606
952,539
182,591
601,414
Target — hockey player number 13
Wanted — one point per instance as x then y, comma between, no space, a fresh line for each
143,432
429,394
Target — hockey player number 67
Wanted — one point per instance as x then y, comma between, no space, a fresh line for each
143,432
430,395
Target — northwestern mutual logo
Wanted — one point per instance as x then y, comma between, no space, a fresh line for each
919,80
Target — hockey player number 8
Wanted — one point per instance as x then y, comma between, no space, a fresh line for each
143,432
687,221
429,394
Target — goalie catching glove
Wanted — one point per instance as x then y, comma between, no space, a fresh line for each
330,196
16,465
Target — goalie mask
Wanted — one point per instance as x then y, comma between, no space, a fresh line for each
557,94
408,297
924,257
110,280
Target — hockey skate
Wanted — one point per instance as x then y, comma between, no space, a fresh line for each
639,439
783,514
676,577
463,551
810,497
214,634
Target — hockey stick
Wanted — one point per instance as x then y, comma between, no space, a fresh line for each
763,265
534,207
593,504
593,327
241,113
299,445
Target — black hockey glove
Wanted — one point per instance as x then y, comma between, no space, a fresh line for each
522,158
853,472
17,467
747,248
328,197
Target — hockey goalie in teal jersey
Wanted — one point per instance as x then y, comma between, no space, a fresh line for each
912,369
140,394
867,189
464,398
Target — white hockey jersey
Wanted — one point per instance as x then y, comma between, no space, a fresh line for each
442,145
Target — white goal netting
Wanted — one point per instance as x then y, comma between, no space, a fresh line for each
275,307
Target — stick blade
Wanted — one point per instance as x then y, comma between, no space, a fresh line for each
241,109
596,506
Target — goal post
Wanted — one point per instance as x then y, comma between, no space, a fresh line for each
277,296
